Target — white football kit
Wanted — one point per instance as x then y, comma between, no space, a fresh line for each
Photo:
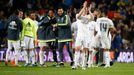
92,27
105,24
82,37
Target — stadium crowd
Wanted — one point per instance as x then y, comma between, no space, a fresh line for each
120,11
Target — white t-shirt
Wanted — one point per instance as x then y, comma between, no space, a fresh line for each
104,24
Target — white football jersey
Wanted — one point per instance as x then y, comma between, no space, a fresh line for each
104,24
81,29
82,23
91,28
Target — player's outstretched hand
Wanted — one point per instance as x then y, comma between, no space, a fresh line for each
85,4
90,7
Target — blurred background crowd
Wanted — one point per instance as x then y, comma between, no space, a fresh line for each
120,11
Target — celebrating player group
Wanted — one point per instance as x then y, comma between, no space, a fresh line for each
89,34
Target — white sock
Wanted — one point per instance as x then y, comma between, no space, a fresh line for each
76,58
41,57
84,58
16,56
7,55
89,60
107,60
26,56
80,58
32,54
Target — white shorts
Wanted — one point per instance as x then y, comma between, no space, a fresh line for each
96,43
105,43
28,42
83,42
14,44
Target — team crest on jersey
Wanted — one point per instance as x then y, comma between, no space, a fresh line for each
28,24
13,25
62,19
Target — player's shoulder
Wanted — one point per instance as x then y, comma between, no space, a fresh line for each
98,19
26,19
110,20
104,18
76,16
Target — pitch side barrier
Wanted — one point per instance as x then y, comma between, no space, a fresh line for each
125,56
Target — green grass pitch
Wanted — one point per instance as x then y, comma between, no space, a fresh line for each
116,69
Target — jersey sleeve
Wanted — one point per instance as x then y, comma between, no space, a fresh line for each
34,30
97,29
23,28
74,27
77,17
111,24
97,21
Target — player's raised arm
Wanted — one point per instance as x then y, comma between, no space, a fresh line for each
90,13
82,10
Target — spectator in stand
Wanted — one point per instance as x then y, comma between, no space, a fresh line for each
116,43
2,32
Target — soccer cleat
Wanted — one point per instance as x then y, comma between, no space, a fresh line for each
89,65
111,63
33,65
106,66
6,63
83,68
43,65
55,65
12,62
94,66
17,65
72,63
27,64
74,67
61,64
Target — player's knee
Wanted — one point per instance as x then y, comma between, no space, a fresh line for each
42,48
77,48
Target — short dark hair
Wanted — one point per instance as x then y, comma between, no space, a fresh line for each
104,11
29,12
60,8
16,12
52,10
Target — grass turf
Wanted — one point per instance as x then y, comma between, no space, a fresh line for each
116,69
